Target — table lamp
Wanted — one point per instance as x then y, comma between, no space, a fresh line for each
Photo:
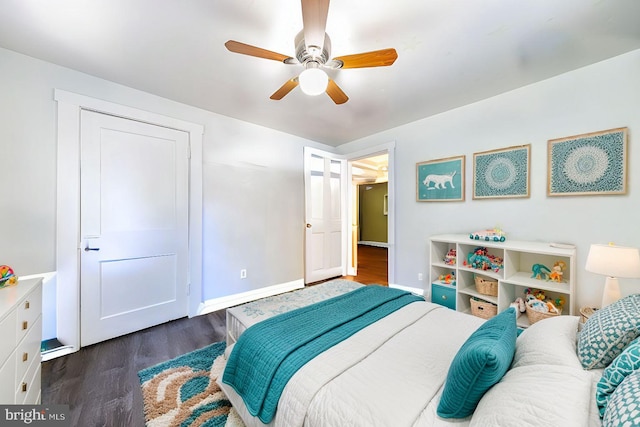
613,261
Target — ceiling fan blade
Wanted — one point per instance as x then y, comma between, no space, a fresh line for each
335,93
377,58
314,21
285,89
247,49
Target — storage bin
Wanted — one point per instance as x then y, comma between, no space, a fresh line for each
535,316
443,295
483,309
486,286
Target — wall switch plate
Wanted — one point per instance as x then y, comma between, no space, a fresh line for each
243,273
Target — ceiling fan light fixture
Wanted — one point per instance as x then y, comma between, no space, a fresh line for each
313,81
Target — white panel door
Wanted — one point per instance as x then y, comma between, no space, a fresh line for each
324,246
134,226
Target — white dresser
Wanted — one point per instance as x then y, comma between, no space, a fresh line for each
20,335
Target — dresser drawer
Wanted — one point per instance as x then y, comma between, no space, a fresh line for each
443,295
28,350
28,390
28,311
7,381
8,336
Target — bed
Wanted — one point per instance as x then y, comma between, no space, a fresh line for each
399,371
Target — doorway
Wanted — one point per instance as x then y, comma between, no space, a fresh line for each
68,241
369,261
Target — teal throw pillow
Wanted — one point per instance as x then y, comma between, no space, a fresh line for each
608,331
616,372
624,406
480,363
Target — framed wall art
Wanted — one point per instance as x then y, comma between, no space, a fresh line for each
589,164
440,180
502,173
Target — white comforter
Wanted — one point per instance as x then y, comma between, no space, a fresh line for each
392,373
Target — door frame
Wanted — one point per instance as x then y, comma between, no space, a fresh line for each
389,149
68,239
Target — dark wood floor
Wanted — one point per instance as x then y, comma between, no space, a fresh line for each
373,266
100,382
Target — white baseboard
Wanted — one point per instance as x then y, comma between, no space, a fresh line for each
370,243
417,291
221,303
57,352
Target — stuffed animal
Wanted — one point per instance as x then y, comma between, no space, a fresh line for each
540,272
558,269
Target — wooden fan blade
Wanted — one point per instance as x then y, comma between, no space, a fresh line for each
377,58
247,49
335,93
285,89
314,21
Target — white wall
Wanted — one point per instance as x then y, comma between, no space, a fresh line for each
253,180
602,96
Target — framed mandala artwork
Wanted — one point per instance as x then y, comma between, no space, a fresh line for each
589,164
502,173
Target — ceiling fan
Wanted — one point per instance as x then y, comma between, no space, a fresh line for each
313,51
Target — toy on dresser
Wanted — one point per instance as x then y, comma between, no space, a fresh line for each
7,276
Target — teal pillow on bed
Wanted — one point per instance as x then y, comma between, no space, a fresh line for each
608,331
480,363
623,408
614,374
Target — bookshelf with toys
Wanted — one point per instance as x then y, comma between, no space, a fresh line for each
487,277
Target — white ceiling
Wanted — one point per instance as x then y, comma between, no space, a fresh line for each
450,52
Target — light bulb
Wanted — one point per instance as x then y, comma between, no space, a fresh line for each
313,81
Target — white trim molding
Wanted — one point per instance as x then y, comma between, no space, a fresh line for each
417,291
371,243
68,205
221,303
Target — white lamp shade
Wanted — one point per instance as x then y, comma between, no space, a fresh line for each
313,81
613,261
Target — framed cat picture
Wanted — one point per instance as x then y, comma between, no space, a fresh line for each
440,180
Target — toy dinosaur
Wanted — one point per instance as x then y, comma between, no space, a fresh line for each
540,272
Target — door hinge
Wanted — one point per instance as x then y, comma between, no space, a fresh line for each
188,289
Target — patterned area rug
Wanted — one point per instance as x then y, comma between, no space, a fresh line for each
183,391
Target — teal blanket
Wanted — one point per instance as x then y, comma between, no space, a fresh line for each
269,353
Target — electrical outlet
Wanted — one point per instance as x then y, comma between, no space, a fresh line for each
420,276
243,273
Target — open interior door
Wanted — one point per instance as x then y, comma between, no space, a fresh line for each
324,211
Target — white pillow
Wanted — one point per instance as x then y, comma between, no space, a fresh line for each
551,341
537,396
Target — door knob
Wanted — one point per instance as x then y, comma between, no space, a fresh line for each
87,249
308,225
